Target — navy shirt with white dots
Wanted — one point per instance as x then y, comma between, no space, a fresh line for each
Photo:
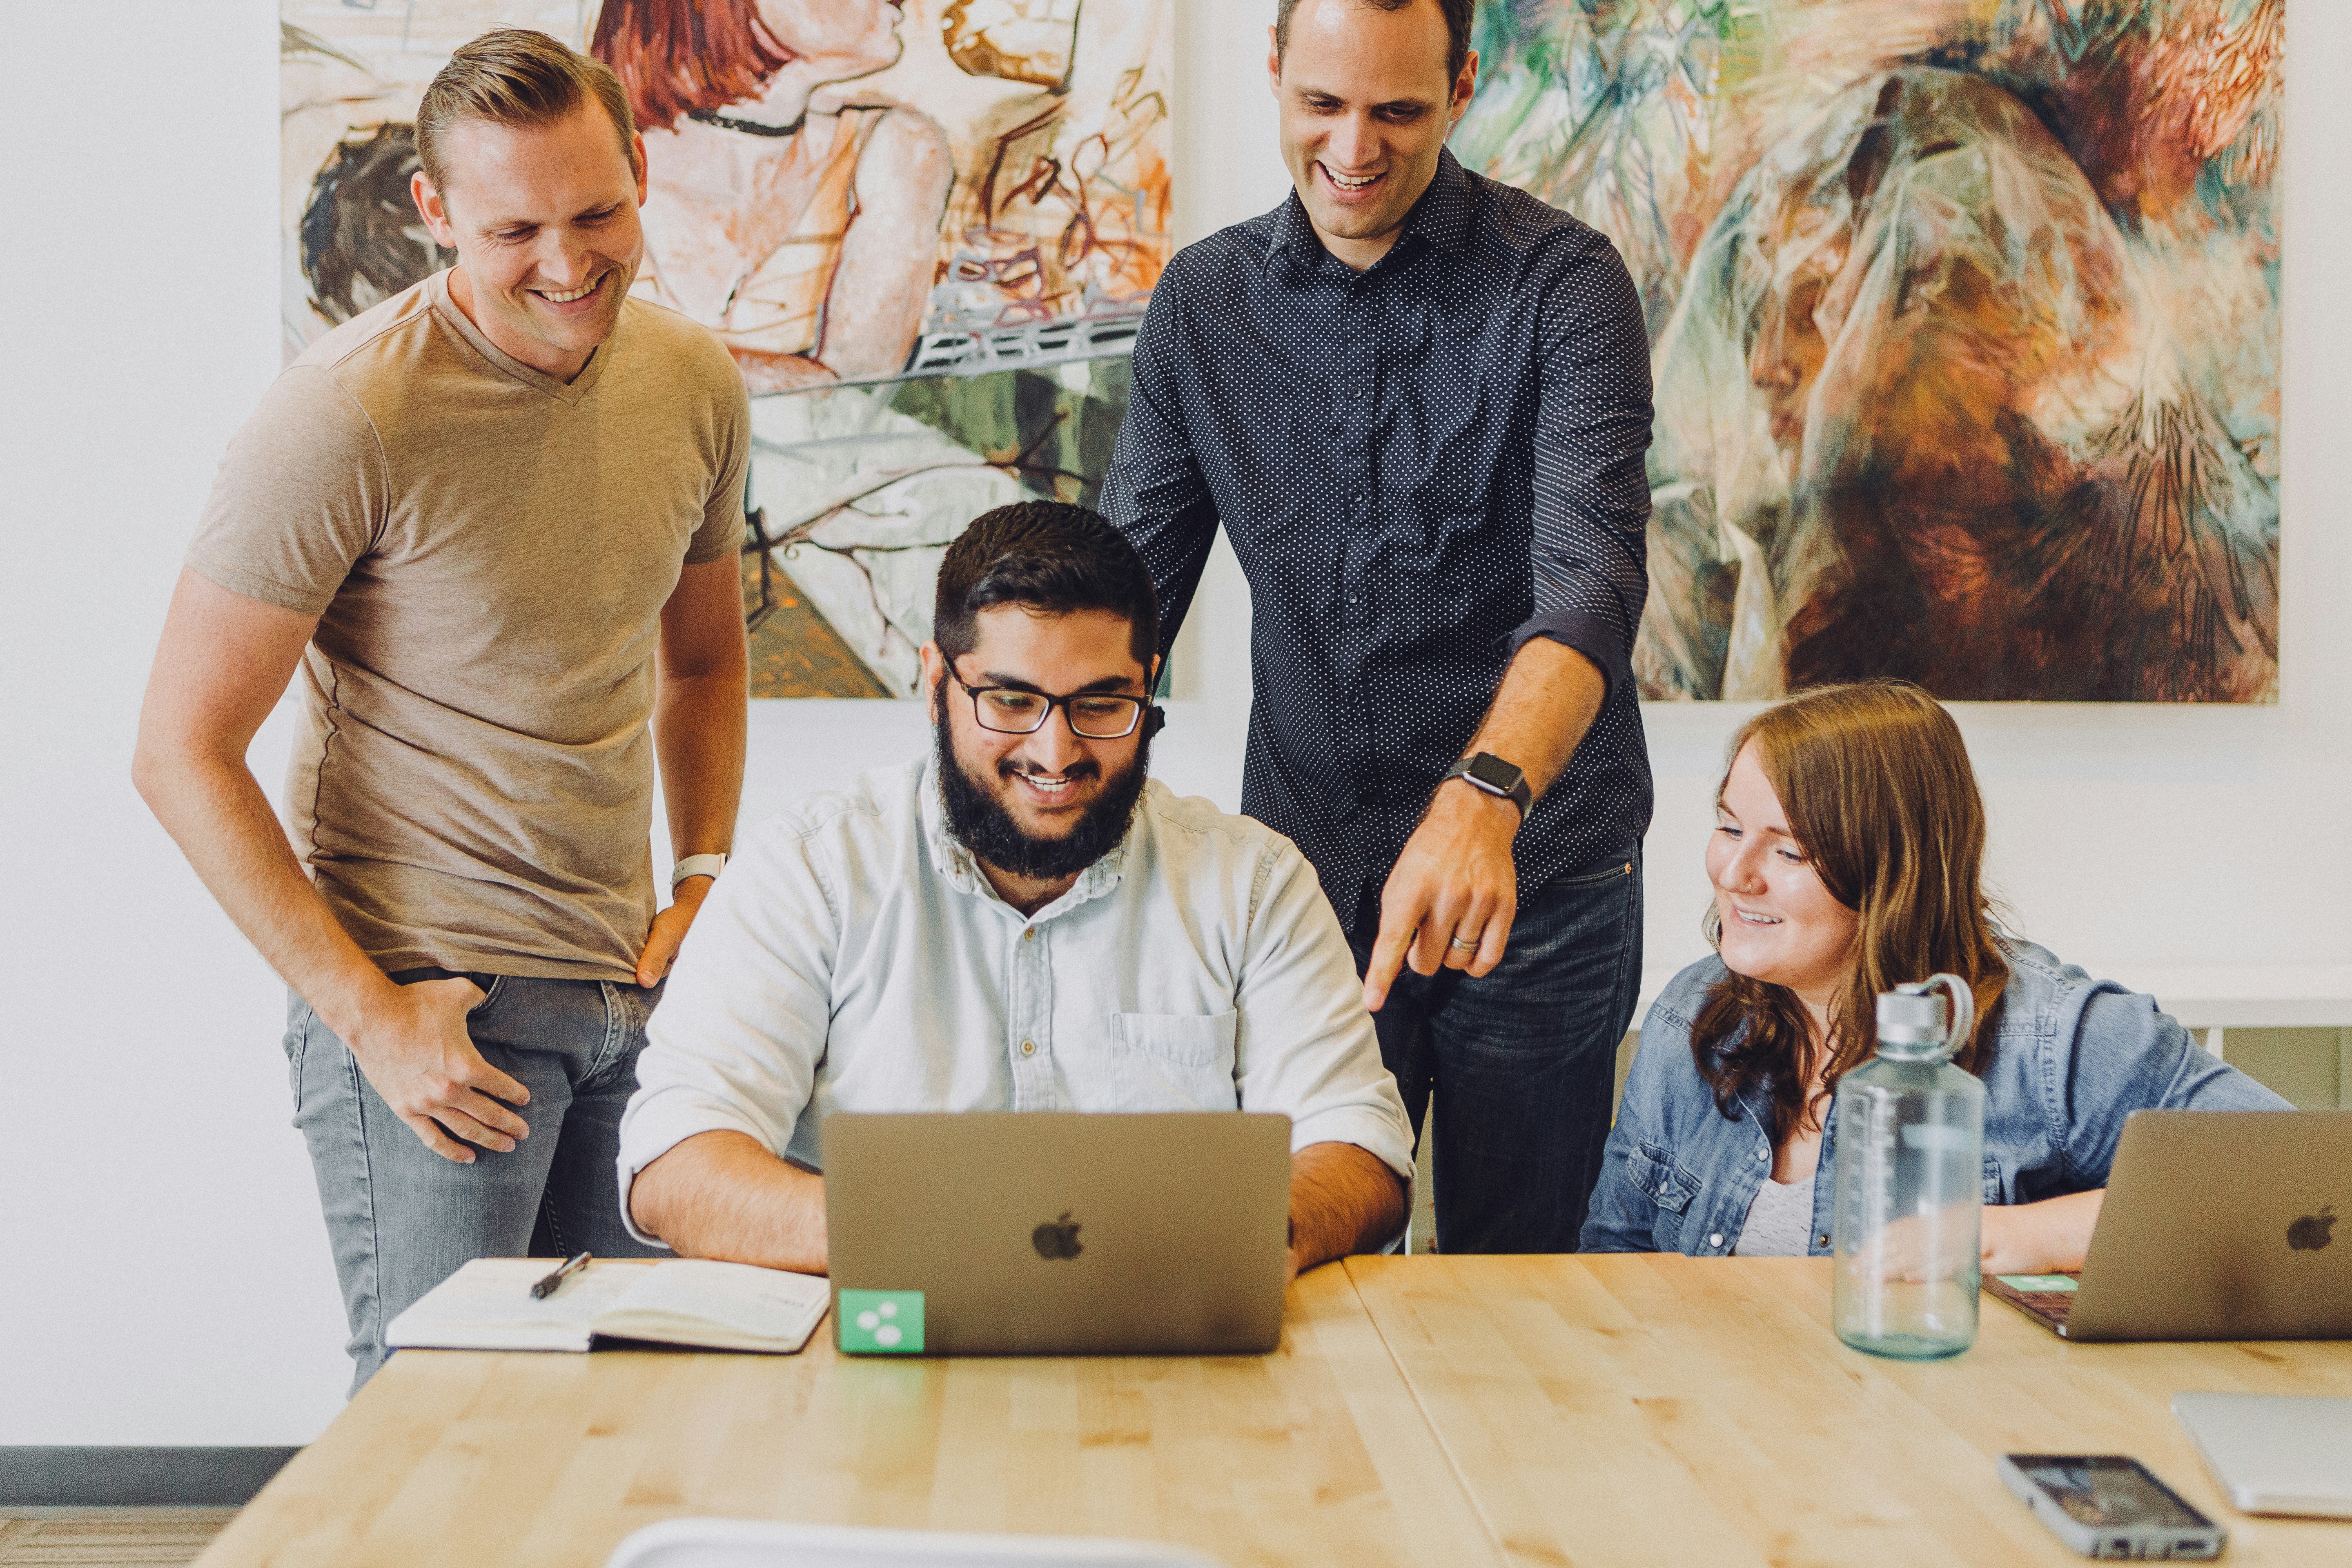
1421,466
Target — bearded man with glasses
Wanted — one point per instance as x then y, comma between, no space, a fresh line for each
1023,921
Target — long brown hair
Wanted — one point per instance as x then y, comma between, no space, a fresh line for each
1877,784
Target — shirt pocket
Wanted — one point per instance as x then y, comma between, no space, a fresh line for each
1661,1180
1992,1180
1174,1061
1658,1177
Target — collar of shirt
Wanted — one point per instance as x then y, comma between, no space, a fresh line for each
961,869
1440,219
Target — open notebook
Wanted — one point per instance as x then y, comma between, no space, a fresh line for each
487,1306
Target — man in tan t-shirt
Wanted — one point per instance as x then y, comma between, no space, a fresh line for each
497,521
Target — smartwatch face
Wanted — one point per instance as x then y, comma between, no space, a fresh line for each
1491,771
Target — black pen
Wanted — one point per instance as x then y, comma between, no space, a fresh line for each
547,1286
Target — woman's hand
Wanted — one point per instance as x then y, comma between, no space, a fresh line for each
2049,1236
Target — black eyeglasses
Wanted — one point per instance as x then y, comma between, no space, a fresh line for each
1092,716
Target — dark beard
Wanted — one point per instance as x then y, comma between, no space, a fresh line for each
982,825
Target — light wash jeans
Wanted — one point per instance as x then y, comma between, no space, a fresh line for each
401,1218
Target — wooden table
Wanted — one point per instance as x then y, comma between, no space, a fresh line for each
1423,1412
1646,1409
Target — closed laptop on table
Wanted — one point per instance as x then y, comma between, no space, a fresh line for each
2218,1224
1057,1233
2274,1453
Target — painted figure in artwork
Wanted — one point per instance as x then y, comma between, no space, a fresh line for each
1968,369
797,223
925,230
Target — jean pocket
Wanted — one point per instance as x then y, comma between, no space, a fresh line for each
1175,1061
297,1043
491,987
1594,878
1992,1180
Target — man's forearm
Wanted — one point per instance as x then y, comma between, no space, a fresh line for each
1343,1199
722,1194
1547,701
215,810
698,736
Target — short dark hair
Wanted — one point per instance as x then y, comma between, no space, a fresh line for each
517,77
1044,555
1457,29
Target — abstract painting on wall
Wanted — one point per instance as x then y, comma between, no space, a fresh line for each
925,230
1965,324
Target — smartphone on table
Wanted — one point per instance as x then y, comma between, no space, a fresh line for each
2108,1505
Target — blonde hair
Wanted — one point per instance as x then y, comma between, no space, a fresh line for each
1877,784
516,76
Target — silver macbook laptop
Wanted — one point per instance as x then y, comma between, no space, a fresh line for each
2275,1453
1054,1233
2218,1224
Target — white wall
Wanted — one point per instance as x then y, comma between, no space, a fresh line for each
164,1273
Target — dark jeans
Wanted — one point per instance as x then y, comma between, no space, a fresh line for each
402,1218
1523,1062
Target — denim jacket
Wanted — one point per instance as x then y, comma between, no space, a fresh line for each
2072,1057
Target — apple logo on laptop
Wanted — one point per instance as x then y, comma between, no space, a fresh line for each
1059,1238
2308,1234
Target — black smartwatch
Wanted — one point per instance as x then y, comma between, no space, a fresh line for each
1486,771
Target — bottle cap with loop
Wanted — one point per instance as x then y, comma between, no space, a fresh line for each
1914,1025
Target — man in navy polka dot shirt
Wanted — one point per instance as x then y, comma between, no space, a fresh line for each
1418,402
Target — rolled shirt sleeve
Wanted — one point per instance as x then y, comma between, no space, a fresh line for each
1305,1044
1591,482
741,1027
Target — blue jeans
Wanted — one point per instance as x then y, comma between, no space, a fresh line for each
401,1218
1523,1062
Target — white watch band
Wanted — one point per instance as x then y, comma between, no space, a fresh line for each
695,866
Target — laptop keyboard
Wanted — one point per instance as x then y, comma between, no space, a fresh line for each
2052,1305
2048,1298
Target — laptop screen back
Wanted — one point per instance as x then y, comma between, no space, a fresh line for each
1064,1234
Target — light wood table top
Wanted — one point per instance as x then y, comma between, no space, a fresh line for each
1313,1455
1660,1409
1421,1412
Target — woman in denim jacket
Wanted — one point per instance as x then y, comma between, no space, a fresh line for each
1845,860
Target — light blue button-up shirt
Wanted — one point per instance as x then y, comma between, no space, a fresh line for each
2071,1058
853,957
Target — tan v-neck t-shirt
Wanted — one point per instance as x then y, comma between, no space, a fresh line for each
489,550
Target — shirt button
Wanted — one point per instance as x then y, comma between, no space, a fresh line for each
1716,1240
1822,1239
1031,935
1028,1048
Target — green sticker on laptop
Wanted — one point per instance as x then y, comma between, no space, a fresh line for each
2023,1282
879,1322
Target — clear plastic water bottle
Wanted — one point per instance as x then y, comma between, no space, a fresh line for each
1910,1181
